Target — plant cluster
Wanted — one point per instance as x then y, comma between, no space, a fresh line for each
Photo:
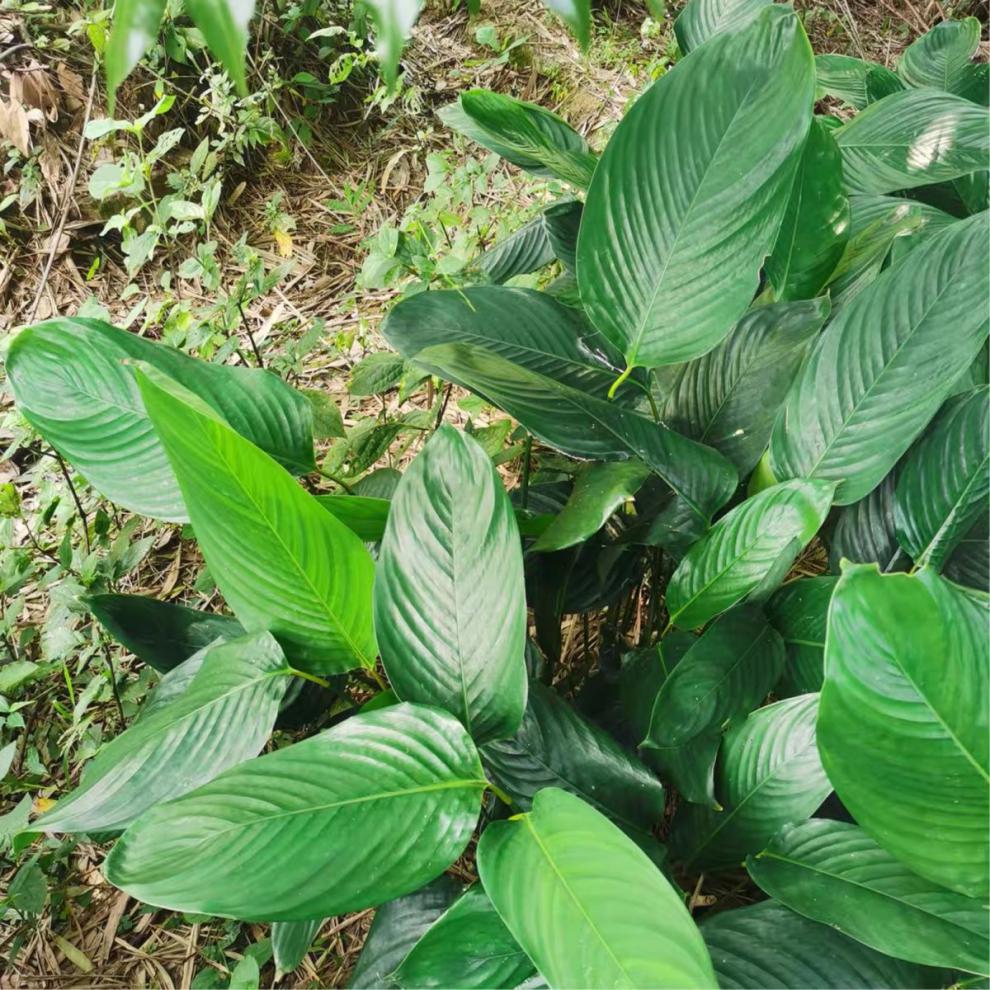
765,348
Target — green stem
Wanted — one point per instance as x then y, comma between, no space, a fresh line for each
500,794
615,385
378,678
308,677
337,481
524,484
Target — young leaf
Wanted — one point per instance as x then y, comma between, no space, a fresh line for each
449,598
747,553
942,59
135,27
815,227
468,946
799,612
282,563
224,24
224,717
70,382
885,364
571,887
661,274
394,21
557,747
291,941
913,138
162,634
702,19
768,945
768,774
405,763
944,485
834,873
905,740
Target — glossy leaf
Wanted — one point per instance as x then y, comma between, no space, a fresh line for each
70,382
969,564
525,250
224,24
468,946
768,774
557,747
162,634
599,489
905,740
942,59
944,485
563,222
364,516
913,138
815,227
661,275
844,78
571,887
747,553
224,717
134,28
450,603
799,612
291,940
884,365
403,763
864,531
589,427
768,945
394,21
282,563
702,19
729,397
832,872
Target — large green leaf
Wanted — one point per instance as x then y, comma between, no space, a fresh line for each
467,946
585,903
944,485
524,326
903,726
834,873
768,945
866,208
135,27
523,133
844,78
768,774
291,940
661,273
799,612
943,59
282,563
969,564
310,831
449,598
162,634
563,223
525,250
224,24
224,717
729,397
864,531
70,382
747,553
588,427
363,515
701,19
913,138
557,747
885,364
815,227
728,671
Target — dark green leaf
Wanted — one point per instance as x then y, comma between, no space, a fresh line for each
135,27
799,612
969,564
864,531
376,374
942,59
224,24
291,941
843,77
701,19
562,222
523,251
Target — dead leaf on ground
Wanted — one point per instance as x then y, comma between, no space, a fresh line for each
14,126
33,87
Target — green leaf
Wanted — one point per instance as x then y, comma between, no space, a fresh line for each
913,138
834,873
768,945
394,21
282,563
942,59
224,717
844,78
815,227
728,671
525,250
589,427
362,515
527,135
768,774
557,747
905,740
70,382
160,633
224,24
563,222
885,364
353,783
729,397
944,485
291,941
376,374
397,927
660,273
702,19
599,489
799,612
571,887
468,946
747,553
576,14
969,564
524,326
449,598
135,27
864,531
